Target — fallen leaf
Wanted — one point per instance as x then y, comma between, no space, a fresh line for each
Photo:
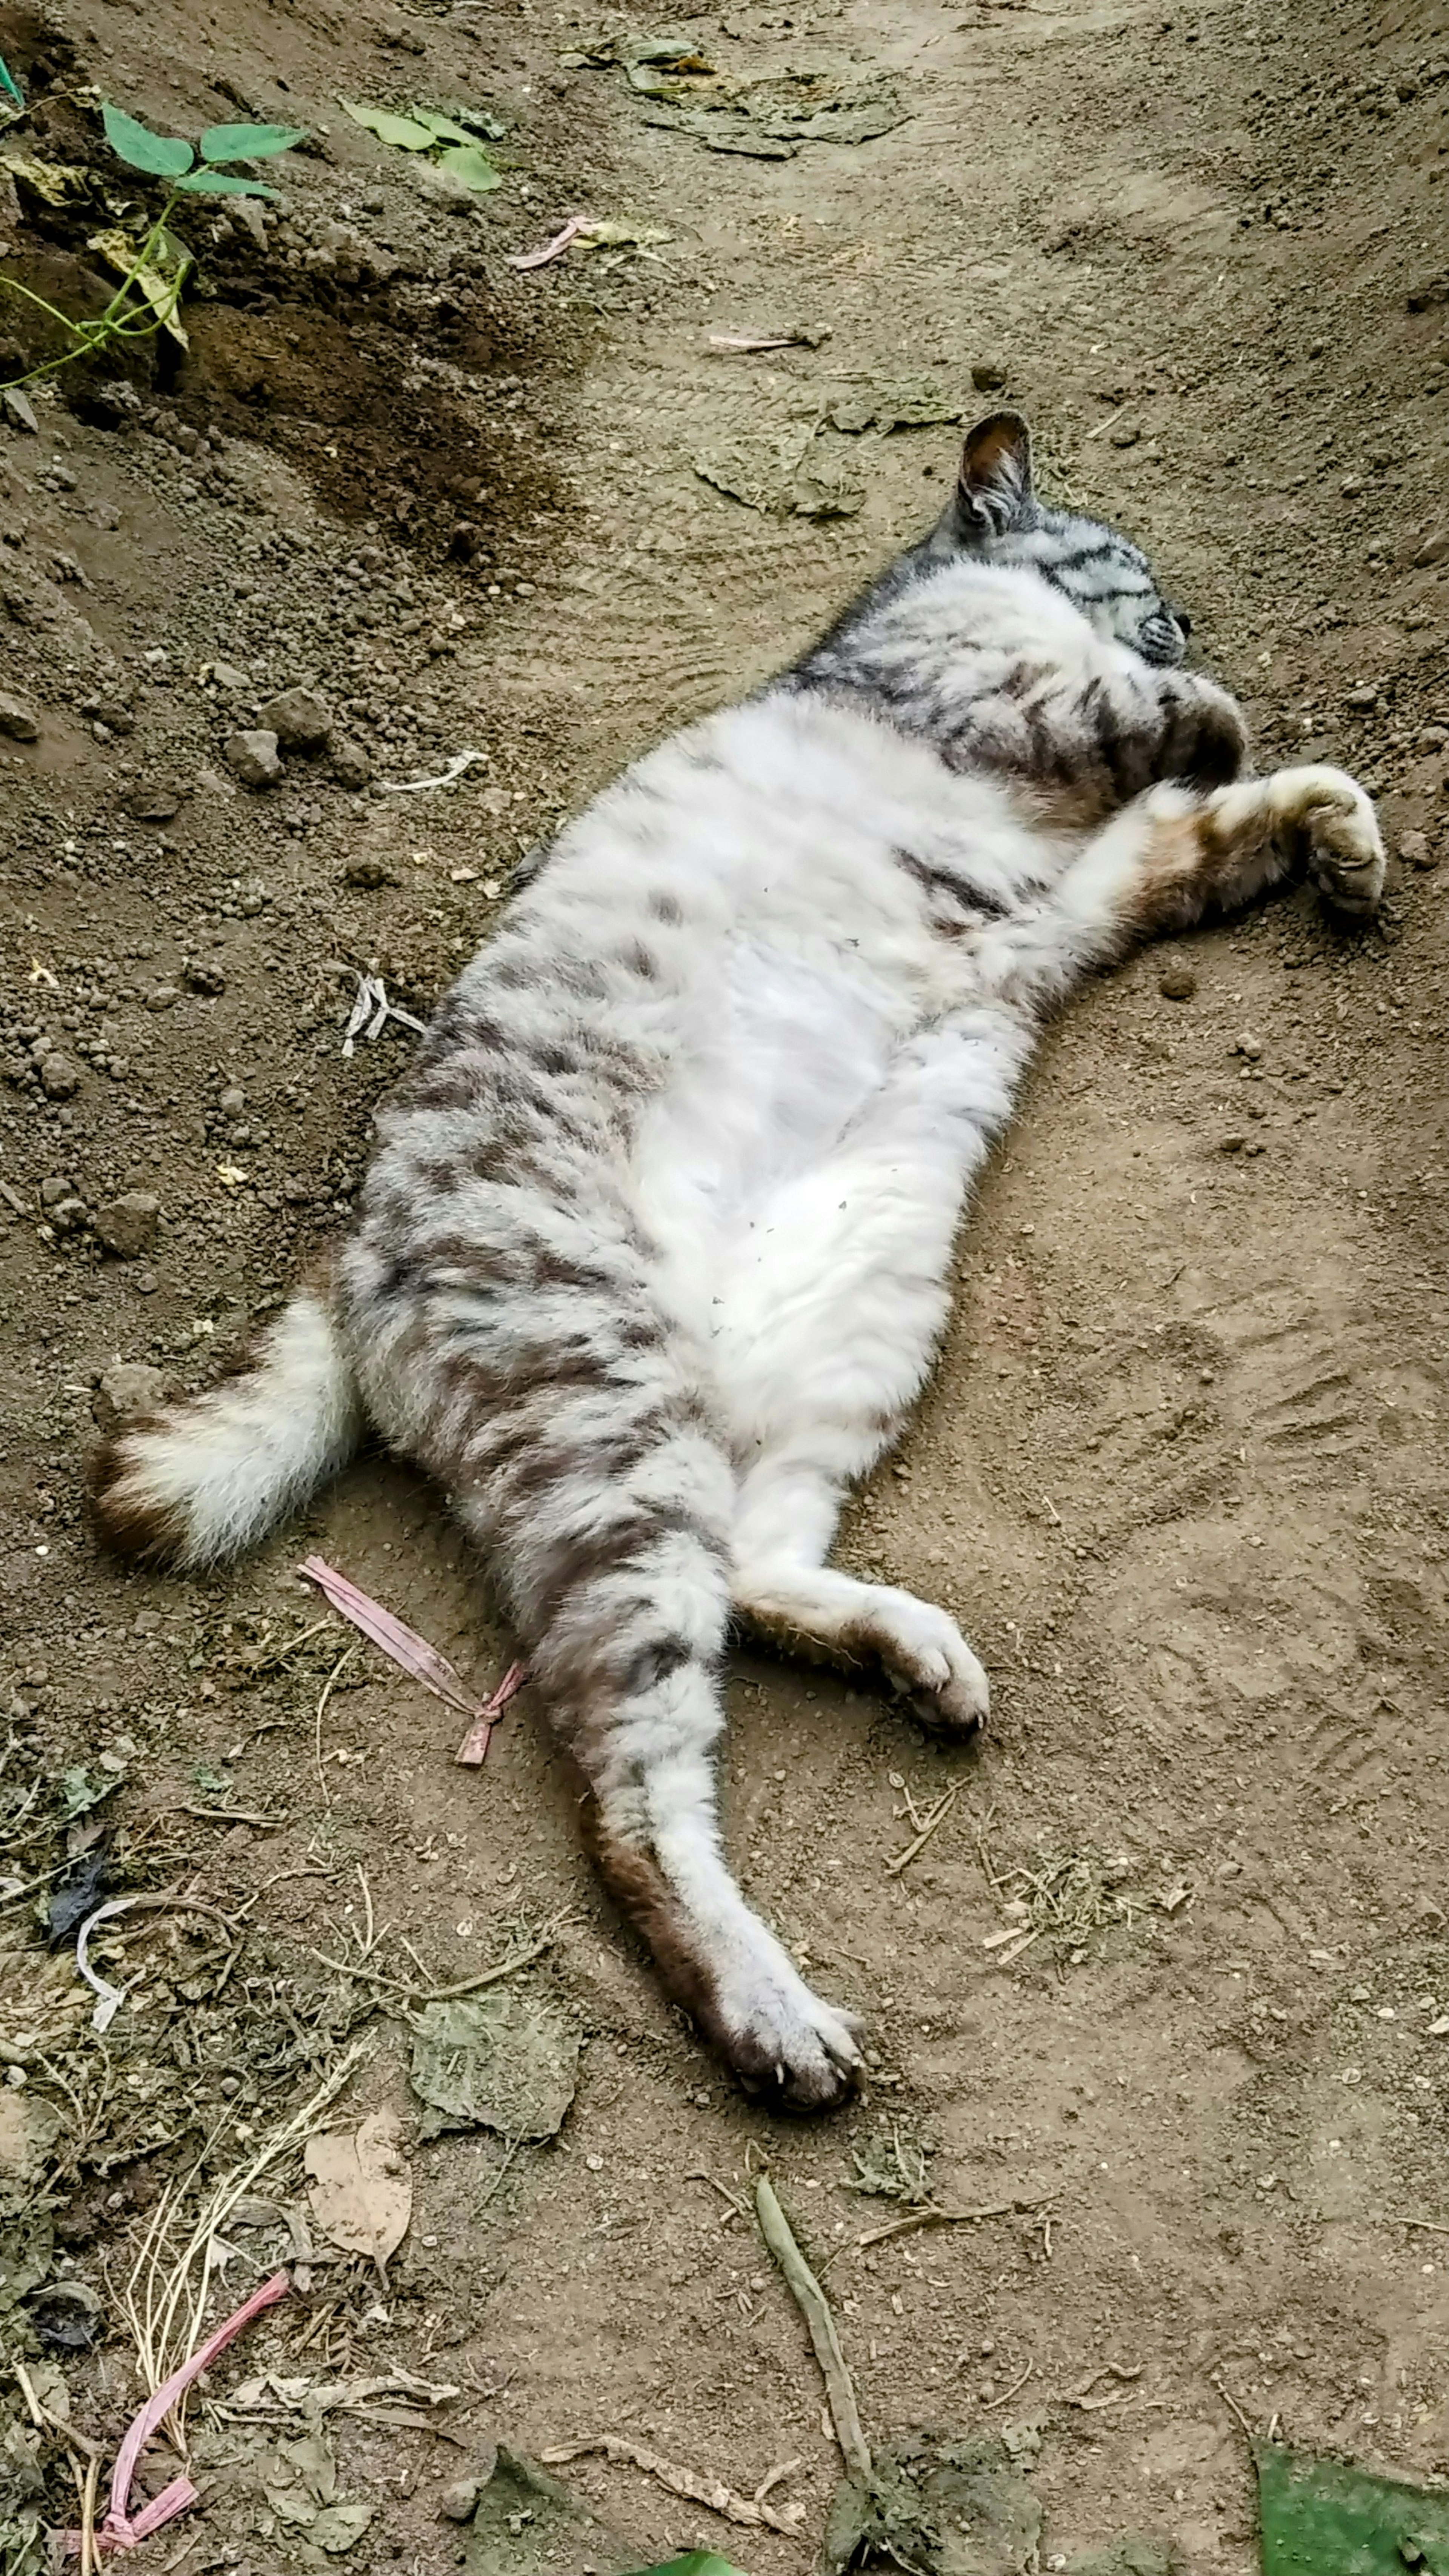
469,163
54,181
361,2191
160,285
501,2062
404,132
1323,2516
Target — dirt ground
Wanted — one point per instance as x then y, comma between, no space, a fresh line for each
1182,1472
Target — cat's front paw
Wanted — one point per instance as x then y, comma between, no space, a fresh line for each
1342,846
783,2043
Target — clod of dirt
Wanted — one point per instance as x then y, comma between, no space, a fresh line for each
939,2509
501,2062
59,1078
1134,2554
126,1388
127,1227
298,719
253,757
350,764
17,721
1176,981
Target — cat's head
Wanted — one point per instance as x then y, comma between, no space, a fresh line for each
995,514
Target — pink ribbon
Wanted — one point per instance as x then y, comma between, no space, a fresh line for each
413,1655
121,2530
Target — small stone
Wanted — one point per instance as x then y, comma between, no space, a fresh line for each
370,874
1177,981
1231,1144
1416,850
298,719
458,2500
350,765
254,759
1249,1046
163,997
20,410
1362,700
227,676
127,1227
152,804
59,1078
17,721
201,978
988,376
1434,548
70,1216
1126,434
233,1101
54,1190
126,1388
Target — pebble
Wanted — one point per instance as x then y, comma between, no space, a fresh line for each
298,719
1177,981
127,1226
370,874
253,757
233,1101
153,804
350,765
458,2500
227,676
1416,850
17,721
1126,434
126,1388
1231,1144
1434,548
70,1216
201,978
988,375
59,1077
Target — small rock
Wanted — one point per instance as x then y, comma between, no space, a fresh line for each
298,719
1249,1046
1416,850
1231,1144
458,2500
126,1388
1434,548
59,1077
127,1227
350,765
1126,434
154,804
20,410
112,713
227,676
233,1101
17,721
201,978
52,1191
70,1216
988,376
400,33
163,997
253,757
369,873
1362,700
1177,981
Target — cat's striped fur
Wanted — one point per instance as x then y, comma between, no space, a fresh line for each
655,1247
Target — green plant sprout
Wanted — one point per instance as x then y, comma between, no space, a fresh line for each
159,268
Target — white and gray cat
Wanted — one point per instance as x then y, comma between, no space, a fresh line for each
656,1245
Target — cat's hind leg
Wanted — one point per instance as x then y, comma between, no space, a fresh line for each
824,1329
787,1595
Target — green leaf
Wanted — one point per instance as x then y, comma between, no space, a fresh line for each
398,130
691,2562
441,128
163,155
249,142
222,183
1320,2517
470,163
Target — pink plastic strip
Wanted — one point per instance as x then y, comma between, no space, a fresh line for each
121,2530
413,1655
550,249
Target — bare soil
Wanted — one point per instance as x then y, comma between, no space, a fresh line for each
1182,1472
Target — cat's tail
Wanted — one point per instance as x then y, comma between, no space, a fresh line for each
199,1482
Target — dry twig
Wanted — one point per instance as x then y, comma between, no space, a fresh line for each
930,2215
750,2511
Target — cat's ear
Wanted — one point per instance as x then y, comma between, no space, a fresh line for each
994,489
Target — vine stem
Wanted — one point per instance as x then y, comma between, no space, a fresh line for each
91,337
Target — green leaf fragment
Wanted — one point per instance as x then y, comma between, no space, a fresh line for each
1322,2518
249,142
222,183
401,131
165,156
443,129
691,2562
470,163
